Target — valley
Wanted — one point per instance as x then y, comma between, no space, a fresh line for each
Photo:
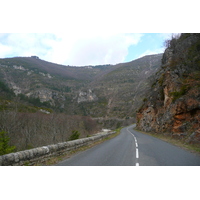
98,91
43,103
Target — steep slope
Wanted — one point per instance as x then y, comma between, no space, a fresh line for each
105,91
173,105
124,88
51,83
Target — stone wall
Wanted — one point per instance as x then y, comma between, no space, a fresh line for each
41,154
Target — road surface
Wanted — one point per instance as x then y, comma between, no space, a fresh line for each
132,148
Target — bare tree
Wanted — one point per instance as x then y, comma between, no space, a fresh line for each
170,43
29,130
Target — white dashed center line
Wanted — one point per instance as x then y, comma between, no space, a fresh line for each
136,144
137,153
136,148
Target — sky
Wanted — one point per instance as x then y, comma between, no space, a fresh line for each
91,32
82,49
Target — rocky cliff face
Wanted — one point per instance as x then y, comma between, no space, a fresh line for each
173,106
86,96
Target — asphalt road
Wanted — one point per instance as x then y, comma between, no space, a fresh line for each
132,148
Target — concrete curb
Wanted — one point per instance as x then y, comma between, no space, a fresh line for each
41,154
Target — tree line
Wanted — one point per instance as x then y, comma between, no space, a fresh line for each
30,130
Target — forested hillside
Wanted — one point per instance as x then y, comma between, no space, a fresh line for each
43,103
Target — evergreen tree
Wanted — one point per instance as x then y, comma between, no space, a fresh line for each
5,148
75,135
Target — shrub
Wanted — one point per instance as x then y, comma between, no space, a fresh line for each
145,99
171,43
5,148
177,94
74,136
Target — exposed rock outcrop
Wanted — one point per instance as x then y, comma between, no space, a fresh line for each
174,103
85,96
47,95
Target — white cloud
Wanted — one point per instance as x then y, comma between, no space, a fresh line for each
22,44
69,48
102,49
4,50
168,36
151,52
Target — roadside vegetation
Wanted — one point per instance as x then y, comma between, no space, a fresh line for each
5,148
67,155
177,142
31,130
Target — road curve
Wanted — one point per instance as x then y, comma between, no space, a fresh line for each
132,148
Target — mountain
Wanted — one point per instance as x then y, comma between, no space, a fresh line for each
42,103
173,104
111,92
124,87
